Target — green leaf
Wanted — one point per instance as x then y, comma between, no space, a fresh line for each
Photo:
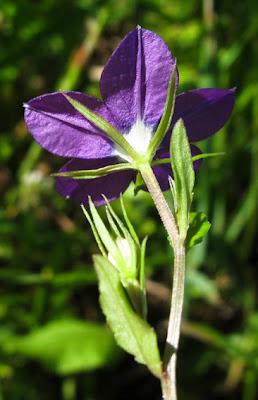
183,172
132,333
130,270
199,226
67,346
103,125
94,173
128,222
166,117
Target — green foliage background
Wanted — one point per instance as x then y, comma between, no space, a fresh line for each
53,341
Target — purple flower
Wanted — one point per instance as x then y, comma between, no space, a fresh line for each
134,86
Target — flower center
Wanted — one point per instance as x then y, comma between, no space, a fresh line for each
138,137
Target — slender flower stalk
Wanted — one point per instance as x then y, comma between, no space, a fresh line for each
159,200
174,324
173,335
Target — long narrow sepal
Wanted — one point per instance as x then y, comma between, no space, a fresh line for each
128,222
94,231
104,126
166,117
194,158
94,173
207,155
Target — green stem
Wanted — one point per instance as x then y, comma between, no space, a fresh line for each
164,211
169,368
174,325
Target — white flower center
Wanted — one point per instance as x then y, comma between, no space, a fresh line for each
138,137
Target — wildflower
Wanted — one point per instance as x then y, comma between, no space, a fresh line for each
133,86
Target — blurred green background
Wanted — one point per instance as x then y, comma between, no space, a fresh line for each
53,340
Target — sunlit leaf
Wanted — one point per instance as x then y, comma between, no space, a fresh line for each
132,333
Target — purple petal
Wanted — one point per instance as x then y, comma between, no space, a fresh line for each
204,111
60,129
163,171
134,81
79,189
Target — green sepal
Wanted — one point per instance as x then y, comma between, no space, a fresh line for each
105,236
142,277
201,156
207,155
166,117
135,289
128,222
199,226
94,173
183,172
120,245
142,263
104,126
132,333
95,232
127,274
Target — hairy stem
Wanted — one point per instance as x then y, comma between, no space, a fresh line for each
169,369
174,325
164,211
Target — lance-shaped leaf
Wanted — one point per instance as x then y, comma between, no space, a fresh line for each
104,126
198,227
166,117
132,333
94,173
183,172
